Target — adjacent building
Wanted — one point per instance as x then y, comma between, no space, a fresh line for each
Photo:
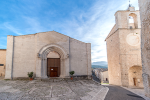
123,49
102,74
145,44
47,54
2,61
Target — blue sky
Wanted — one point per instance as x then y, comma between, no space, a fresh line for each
86,20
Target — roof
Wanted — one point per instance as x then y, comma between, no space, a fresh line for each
113,30
102,69
2,49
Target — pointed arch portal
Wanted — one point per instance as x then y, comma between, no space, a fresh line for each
63,69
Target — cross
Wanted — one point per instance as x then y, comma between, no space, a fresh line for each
129,4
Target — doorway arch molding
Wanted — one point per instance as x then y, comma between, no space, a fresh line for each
135,76
64,59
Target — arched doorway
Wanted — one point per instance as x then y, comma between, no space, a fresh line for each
44,54
135,76
53,64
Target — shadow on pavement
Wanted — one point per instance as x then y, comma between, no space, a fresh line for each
134,95
119,93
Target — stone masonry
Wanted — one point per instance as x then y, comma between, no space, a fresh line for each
145,43
28,53
2,61
123,49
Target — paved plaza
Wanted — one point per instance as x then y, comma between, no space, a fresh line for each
53,89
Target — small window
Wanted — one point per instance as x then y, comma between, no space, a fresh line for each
1,64
131,27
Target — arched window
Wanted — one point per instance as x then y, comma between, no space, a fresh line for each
133,23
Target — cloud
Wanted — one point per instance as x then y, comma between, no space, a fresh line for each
91,25
8,26
94,25
94,29
33,25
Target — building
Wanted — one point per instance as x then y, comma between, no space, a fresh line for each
102,74
47,54
123,49
2,61
145,44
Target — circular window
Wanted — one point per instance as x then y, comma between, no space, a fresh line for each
133,39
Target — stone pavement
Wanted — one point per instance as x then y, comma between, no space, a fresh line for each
53,89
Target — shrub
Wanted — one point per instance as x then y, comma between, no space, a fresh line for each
30,74
71,72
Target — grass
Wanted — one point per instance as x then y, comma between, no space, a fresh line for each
6,79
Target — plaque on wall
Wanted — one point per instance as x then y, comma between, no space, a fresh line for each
133,39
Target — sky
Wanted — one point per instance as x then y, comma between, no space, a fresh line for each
89,21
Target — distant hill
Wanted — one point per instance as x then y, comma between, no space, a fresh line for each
98,66
101,64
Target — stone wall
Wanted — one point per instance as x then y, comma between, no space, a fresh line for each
122,18
129,55
145,43
24,55
79,57
123,48
9,57
28,53
113,52
135,76
47,38
105,75
2,61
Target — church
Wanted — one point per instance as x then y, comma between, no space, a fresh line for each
124,49
47,54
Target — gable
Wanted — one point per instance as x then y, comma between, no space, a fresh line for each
51,37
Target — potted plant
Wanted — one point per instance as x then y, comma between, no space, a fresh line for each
71,73
30,75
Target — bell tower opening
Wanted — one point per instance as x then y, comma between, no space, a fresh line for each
133,23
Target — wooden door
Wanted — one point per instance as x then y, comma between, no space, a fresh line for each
53,67
134,80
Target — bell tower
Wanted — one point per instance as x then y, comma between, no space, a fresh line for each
123,49
129,19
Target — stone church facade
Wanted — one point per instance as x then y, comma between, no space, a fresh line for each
47,54
123,49
145,43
